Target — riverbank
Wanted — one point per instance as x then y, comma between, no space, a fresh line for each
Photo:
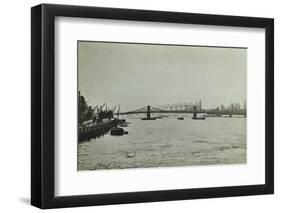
92,131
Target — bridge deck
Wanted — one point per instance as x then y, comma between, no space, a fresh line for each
149,109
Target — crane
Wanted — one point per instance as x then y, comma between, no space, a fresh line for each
99,109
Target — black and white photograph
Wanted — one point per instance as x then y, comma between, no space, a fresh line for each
146,105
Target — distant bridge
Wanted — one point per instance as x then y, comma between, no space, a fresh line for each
150,109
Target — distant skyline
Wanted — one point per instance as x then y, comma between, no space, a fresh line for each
136,75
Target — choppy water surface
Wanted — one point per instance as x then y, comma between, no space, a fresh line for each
167,142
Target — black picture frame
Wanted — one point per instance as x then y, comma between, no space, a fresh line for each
43,105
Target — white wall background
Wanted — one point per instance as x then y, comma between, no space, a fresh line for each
15,106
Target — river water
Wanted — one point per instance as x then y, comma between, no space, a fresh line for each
167,142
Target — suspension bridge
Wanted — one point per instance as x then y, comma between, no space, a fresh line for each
148,110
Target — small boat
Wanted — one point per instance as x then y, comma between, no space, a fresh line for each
180,118
117,131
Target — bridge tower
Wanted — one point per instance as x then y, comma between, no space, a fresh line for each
148,111
194,112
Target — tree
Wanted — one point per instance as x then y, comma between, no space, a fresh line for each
84,111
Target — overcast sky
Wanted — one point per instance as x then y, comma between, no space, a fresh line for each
136,75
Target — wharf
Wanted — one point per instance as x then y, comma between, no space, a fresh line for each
95,130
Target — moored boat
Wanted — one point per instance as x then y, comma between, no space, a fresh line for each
117,131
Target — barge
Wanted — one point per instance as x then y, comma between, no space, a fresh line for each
92,130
